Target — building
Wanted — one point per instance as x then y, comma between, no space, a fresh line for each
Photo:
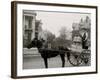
84,26
29,18
75,31
38,28
31,27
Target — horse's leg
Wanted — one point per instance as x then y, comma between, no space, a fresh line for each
63,59
68,56
45,62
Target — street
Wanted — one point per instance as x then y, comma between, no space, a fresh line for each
36,62
33,62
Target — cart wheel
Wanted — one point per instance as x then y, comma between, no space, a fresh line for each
86,59
75,60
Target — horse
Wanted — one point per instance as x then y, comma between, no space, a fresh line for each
49,53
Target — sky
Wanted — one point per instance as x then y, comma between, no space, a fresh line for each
53,21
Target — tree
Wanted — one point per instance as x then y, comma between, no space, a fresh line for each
63,34
49,37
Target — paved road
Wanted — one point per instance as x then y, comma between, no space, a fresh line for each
36,62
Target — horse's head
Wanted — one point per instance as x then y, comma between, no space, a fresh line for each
30,45
35,43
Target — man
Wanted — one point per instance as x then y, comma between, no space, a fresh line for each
84,41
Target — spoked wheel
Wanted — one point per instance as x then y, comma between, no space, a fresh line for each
86,58
75,60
